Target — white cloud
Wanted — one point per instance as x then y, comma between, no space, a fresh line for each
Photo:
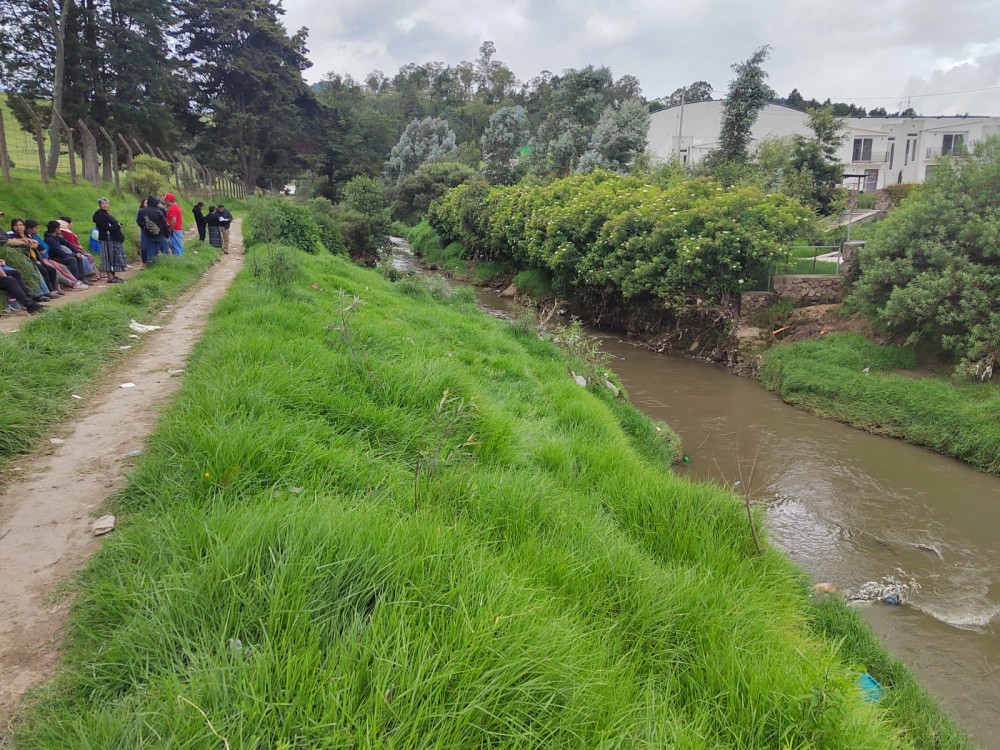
846,50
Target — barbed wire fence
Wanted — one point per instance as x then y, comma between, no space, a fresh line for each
100,158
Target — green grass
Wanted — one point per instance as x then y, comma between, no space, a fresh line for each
66,349
826,376
776,314
535,282
281,566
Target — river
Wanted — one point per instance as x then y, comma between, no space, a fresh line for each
849,508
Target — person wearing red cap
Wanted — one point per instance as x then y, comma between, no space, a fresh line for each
175,221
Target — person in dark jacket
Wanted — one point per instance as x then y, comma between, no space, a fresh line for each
153,230
112,241
225,219
62,252
214,230
12,287
199,219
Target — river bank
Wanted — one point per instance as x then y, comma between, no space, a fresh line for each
407,500
848,507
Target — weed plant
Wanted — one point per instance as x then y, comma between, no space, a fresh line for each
275,265
848,378
63,351
270,584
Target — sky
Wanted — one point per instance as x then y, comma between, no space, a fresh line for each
891,53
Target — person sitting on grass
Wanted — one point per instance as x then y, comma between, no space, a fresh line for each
63,274
109,234
12,286
62,252
89,261
19,238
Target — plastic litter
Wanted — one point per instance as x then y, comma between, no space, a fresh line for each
892,600
687,459
136,452
141,328
871,690
103,525
76,397
56,441
127,346
127,385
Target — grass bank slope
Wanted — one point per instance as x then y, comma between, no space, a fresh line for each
828,377
66,349
313,553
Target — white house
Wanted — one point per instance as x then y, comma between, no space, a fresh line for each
877,151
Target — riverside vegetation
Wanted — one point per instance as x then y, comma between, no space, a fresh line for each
377,517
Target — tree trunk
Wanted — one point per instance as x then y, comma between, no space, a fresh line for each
58,29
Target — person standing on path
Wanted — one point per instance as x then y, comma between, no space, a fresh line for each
199,220
225,219
175,222
153,230
109,234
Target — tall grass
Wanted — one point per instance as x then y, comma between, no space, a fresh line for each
272,584
62,352
848,378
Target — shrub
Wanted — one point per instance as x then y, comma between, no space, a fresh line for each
535,282
899,192
324,214
279,220
275,265
930,273
367,219
866,201
413,196
149,176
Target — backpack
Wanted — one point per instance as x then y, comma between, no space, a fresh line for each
150,226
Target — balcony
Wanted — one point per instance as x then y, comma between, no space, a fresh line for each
875,157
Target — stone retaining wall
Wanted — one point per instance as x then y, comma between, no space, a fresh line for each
751,302
809,290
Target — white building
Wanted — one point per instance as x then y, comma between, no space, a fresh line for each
877,151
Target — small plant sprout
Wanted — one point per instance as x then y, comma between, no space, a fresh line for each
348,308
438,448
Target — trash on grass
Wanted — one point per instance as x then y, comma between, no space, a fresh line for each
103,525
142,328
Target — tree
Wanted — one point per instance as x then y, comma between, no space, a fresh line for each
747,95
930,274
423,141
699,91
819,172
795,100
248,87
620,136
878,112
366,221
506,133
414,195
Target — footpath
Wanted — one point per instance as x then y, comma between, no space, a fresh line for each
47,511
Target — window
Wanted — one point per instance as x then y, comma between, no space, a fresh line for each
952,143
862,149
892,153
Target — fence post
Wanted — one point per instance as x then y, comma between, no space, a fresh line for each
128,150
114,159
138,145
39,139
91,172
70,147
4,154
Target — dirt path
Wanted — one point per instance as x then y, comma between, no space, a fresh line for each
47,510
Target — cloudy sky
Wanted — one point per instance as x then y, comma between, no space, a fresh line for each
872,53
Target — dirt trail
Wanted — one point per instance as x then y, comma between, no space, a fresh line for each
46,512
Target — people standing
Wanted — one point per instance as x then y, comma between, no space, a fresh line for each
175,223
214,230
153,230
199,219
225,219
109,234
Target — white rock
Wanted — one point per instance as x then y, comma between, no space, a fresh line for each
103,525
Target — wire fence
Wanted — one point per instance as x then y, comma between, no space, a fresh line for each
95,156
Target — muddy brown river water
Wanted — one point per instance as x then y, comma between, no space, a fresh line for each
849,508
